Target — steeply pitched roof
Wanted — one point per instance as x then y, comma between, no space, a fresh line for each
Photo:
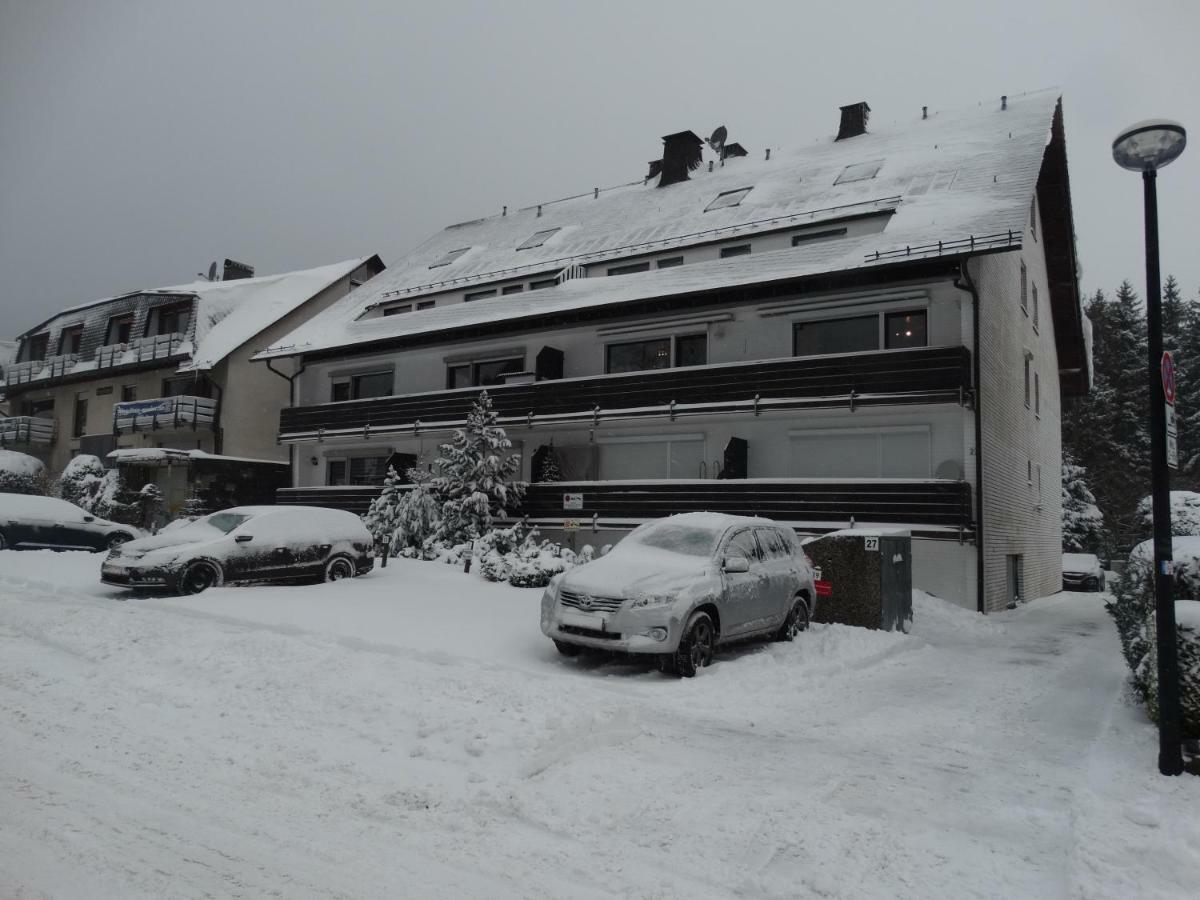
959,182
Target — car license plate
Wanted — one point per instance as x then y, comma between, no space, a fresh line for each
583,620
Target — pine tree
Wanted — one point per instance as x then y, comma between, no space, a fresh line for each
474,479
382,517
550,470
1083,523
1187,393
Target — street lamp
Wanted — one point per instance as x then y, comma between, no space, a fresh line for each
1146,147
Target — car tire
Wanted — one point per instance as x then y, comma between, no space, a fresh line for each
117,539
338,568
568,649
199,577
696,647
796,621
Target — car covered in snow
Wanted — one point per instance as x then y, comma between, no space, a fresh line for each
29,522
246,543
1082,572
678,587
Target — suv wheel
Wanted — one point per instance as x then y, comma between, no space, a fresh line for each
338,568
796,621
695,647
198,577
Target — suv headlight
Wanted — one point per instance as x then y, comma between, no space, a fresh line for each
645,601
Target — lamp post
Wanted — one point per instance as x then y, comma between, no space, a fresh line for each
1146,147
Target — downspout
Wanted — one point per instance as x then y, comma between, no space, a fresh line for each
291,380
966,284
218,434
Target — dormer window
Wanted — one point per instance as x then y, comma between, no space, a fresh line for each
171,319
120,329
37,347
449,257
728,198
860,172
70,340
538,238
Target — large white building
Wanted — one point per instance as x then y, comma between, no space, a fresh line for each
873,329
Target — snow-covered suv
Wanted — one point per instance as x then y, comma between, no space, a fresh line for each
246,543
678,587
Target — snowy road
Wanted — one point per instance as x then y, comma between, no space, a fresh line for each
411,734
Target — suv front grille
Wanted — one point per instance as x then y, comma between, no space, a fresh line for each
588,603
590,632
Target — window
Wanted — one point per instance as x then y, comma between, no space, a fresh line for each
356,470
478,295
40,408
630,269
736,250
849,335
1037,395
859,172
1029,471
512,289
38,346
1033,216
1028,378
670,262
483,373
1036,314
178,387
904,329
360,387
808,237
537,239
1024,287
544,283
339,391
128,393
677,456
70,339
656,353
728,198
79,424
396,310
772,543
426,304
120,329
169,319
449,257
896,452
745,545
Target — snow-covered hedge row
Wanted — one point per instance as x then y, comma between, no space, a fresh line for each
1185,513
21,473
1132,608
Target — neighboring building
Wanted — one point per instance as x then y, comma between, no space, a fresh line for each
872,330
8,353
167,368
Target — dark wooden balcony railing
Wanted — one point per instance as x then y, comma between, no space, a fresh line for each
934,507
924,375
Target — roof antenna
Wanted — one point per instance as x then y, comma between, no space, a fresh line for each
1004,101
212,272
717,142
924,112
504,211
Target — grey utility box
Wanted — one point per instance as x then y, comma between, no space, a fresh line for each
865,578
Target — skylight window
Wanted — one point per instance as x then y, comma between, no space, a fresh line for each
728,198
860,172
449,258
538,238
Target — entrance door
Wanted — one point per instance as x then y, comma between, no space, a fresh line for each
1016,579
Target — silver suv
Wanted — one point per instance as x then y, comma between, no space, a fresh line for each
678,587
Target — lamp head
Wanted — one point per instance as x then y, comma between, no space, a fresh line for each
1149,145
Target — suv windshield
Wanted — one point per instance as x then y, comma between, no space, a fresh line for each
225,522
690,540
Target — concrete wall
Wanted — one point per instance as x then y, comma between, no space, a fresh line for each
1022,514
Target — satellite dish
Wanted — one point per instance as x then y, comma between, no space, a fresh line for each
717,141
212,271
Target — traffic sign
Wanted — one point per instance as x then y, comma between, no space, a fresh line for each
1168,377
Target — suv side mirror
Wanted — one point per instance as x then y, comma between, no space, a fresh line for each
89,518
735,565
242,538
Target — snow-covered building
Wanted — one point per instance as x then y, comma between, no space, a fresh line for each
167,368
875,329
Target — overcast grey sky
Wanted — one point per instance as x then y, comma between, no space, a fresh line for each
141,140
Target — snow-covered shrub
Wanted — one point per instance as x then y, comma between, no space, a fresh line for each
475,476
82,481
21,473
1185,513
1083,523
1187,648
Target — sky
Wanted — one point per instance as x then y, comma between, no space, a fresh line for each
139,141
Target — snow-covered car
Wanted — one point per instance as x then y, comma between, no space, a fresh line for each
1082,572
246,543
678,587
28,522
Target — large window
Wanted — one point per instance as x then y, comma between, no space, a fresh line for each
900,452
904,329
360,387
657,353
482,373
70,340
119,329
677,456
857,334
38,345
356,470
169,319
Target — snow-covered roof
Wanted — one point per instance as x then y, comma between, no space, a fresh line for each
161,456
950,178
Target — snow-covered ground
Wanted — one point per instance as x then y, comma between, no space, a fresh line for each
411,733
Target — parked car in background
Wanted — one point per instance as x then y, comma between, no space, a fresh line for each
1082,572
679,587
246,543
29,522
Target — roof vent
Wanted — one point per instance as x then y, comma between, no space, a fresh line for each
854,120
681,154
235,270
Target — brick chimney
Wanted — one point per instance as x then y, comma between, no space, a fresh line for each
681,154
854,120
235,270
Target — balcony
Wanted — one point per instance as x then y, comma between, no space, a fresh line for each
50,367
138,350
26,430
164,414
929,507
846,381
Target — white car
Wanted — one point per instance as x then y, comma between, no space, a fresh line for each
1082,572
246,543
678,587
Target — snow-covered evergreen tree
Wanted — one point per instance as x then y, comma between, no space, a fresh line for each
384,513
1083,523
82,482
1187,390
550,470
475,476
